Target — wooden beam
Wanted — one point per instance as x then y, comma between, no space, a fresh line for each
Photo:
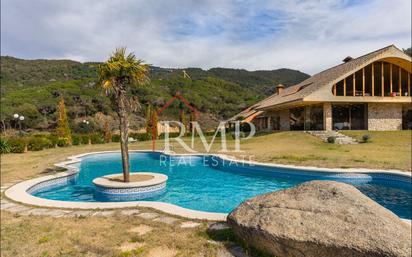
354,84
391,78
382,80
344,87
409,83
373,79
334,89
363,81
400,81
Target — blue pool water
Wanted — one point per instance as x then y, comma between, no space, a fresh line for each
210,184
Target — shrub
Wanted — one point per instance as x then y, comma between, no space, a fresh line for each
366,138
76,139
17,145
4,146
241,134
97,138
143,136
115,138
331,139
38,143
84,139
53,139
171,135
63,142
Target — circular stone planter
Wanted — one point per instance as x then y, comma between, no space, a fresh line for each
111,187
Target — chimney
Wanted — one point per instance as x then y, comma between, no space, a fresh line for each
279,89
347,59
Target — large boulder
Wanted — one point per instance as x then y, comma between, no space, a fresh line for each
320,218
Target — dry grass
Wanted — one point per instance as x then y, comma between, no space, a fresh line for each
101,236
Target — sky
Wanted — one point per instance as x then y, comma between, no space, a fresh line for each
306,35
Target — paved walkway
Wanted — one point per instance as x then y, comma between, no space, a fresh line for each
24,210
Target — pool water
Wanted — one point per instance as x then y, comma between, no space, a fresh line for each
210,184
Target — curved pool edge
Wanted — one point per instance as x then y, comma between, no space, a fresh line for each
20,191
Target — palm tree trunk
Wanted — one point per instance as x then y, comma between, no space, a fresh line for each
124,138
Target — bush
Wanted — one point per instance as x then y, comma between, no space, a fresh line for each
97,138
84,139
115,138
366,138
142,136
63,142
4,146
171,135
76,139
241,134
331,139
38,143
53,139
17,145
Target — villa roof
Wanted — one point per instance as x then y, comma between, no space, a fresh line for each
304,89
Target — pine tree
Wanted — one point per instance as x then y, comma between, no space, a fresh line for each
63,129
107,132
149,119
154,121
193,118
183,120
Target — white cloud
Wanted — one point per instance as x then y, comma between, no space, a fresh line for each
305,35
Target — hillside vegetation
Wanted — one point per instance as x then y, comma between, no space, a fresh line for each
32,88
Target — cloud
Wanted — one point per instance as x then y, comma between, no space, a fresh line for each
306,35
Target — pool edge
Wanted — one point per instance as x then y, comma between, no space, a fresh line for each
20,191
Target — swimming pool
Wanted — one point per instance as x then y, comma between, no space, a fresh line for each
213,184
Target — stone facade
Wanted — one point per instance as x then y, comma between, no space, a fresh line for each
284,120
384,116
327,116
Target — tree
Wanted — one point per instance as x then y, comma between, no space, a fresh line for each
149,118
151,121
182,119
154,124
117,75
408,51
107,132
63,129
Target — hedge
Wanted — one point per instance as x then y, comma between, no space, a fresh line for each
38,143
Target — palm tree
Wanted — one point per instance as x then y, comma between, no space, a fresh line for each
117,75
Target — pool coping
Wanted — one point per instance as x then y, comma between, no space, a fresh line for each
19,192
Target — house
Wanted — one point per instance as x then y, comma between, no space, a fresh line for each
371,92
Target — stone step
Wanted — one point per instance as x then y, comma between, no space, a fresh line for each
339,138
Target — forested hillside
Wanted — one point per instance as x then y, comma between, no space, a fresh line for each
32,88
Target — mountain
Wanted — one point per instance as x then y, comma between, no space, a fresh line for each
32,88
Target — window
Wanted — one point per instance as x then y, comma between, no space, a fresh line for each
376,79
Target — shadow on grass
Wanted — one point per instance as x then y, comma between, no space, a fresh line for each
236,246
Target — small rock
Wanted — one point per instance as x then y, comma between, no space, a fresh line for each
218,226
18,208
166,220
103,213
189,224
148,215
5,206
78,214
57,213
36,212
129,212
